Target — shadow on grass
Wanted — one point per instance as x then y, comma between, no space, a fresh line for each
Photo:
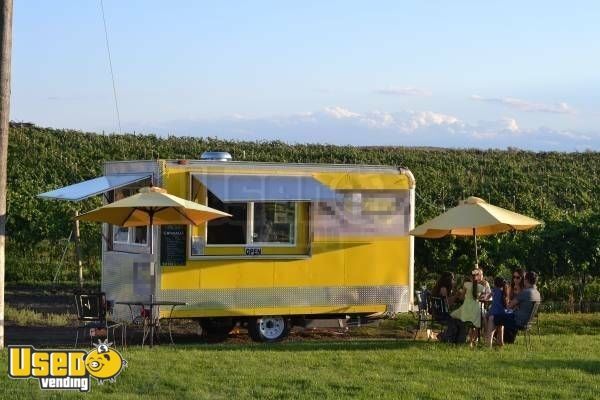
329,345
588,366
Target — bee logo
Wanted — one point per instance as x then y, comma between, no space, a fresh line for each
104,363
65,369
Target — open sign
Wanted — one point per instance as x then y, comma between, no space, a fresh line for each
253,251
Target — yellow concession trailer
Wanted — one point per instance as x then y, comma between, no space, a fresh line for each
305,242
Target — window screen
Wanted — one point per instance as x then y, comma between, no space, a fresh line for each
274,222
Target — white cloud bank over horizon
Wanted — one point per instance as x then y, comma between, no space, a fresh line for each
527,106
339,125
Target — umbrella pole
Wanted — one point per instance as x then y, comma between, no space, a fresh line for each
476,256
150,236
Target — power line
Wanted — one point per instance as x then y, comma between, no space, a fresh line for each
112,74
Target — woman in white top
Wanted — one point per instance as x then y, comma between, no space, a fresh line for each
470,311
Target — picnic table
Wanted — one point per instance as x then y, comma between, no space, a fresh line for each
151,320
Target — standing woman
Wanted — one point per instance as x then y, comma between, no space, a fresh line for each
517,283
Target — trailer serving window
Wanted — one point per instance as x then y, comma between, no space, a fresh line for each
274,222
232,230
270,214
252,223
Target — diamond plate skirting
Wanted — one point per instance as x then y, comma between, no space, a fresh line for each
395,297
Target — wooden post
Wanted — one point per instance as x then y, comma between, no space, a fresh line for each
78,248
6,8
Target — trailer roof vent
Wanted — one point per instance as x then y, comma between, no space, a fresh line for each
216,156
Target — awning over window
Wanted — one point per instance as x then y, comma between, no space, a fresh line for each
85,189
243,188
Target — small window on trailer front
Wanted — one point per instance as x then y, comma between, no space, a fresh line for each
135,235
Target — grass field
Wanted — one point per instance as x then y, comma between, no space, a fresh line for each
564,364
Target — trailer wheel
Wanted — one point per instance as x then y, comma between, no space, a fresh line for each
268,329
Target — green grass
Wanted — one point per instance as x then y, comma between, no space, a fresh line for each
27,317
49,287
561,366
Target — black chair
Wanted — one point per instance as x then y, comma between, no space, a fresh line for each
92,311
423,316
438,308
526,329
451,330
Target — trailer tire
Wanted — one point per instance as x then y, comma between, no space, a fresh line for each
269,329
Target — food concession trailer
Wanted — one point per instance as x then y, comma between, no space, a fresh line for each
305,242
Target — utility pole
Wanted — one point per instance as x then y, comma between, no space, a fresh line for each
6,9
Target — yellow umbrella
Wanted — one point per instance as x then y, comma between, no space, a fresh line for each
152,206
473,217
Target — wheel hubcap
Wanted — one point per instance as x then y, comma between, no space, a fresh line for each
271,327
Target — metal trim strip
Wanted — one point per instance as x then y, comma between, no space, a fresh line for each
394,296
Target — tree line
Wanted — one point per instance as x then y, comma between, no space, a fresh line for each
562,189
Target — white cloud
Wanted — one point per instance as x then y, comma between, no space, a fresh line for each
511,125
493,129
428,118
339,125
404,91
576,136
340,112
527,106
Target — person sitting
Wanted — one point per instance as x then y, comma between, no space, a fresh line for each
486,286
444,288
522,305
470,311
498,307
517,283
485,296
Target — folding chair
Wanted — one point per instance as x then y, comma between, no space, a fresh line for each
526,329
438,307
439,310
423,316
91,314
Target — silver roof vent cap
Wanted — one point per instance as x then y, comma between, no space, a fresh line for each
216,156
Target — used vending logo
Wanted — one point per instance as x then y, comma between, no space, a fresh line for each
65,369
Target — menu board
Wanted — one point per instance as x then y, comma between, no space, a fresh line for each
173,244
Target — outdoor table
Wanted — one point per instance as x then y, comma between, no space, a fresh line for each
153,322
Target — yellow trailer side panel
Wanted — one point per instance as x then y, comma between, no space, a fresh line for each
330,263
379,262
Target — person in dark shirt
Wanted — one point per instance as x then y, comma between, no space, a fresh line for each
445,288
522,305
517,283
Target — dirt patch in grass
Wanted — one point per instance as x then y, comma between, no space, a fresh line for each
46,317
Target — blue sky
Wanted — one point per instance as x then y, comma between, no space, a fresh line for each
459,74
